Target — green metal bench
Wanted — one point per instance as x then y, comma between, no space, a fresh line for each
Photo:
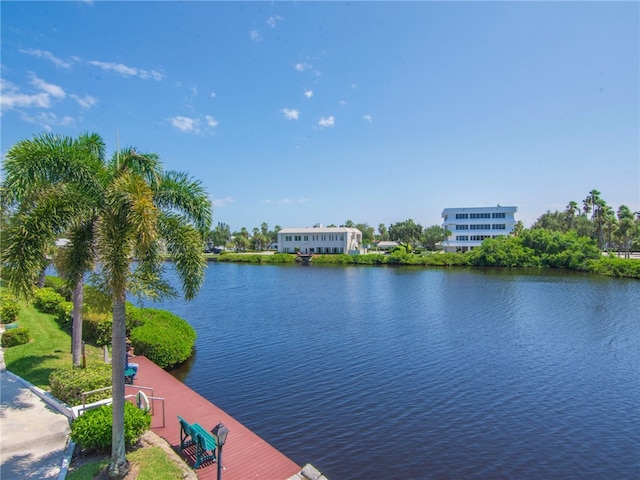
194,433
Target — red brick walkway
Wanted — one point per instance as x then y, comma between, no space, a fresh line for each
245,456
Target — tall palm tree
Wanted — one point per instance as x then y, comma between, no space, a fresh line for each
51,189
137,210
145,211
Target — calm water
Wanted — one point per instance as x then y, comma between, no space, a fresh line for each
406,373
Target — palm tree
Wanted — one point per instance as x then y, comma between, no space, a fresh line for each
136,211
50,188
146,209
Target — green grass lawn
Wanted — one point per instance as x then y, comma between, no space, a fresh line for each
49,349
153,464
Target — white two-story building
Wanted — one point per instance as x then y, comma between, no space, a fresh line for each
319,239
469,226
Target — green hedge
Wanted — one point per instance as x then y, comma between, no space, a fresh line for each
15,336
47,300
96,328
59,285
161,336
9,309
92,430
68,384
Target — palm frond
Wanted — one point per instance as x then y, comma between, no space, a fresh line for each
178,192
184,244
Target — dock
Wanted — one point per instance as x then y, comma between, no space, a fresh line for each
244,456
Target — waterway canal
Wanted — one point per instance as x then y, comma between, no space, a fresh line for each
420,373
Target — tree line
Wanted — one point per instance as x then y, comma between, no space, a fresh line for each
407,232
613,230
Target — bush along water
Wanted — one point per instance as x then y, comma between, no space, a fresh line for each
161,336
92,430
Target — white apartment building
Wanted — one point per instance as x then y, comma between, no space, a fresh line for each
319,239
469,226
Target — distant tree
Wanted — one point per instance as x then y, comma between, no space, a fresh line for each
432,236
627,228
258,240
571,211
407,232
367,233
561,222
349,224
220,235
241,239
518,228
383,233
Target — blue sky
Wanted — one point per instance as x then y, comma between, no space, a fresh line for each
302,113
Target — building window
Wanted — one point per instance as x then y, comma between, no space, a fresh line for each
306,238
498,215
479,238
499,226
480,215
481,226
462,238
287,238
298,238
462,227
462,216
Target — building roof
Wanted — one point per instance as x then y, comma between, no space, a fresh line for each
497,208
320,230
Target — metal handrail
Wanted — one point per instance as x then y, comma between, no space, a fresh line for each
110,387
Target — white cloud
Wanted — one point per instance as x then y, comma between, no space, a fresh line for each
287,201
85,102
212,122
273,20
301,67
326,121
223,202
185,124
291,113
308,93
48,88
342,103
255,36
11,97
127,71
46,55
368,118
213,95
48,120
353,86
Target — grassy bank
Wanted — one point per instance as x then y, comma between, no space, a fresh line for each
609,266
49,349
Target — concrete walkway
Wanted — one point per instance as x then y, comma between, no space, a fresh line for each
33,435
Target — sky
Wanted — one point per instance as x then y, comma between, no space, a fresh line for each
299,113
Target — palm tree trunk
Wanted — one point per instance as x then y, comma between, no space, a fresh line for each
76,323
119,465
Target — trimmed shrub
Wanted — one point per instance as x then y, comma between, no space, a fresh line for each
15,336
63,313
92,430
59,285
68,384
9,309
164,338
96,328
47,300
